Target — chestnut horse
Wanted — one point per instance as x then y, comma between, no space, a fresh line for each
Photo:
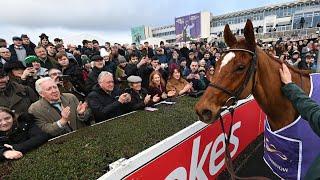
246,69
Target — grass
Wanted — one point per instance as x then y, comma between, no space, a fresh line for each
87,153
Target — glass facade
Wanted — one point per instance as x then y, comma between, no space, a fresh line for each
164,34
311,15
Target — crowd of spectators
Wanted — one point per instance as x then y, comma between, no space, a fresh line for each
50,89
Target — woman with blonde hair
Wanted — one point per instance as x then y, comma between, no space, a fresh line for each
157,86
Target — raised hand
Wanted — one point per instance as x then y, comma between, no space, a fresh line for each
65,114
155,98
172,93
147,99
82,107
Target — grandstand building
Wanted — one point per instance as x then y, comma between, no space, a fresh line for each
168,33
284,17
296,18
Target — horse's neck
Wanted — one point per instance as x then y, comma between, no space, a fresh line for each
268,93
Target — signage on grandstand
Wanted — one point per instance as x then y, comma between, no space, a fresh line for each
188,27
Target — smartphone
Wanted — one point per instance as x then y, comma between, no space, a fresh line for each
64,78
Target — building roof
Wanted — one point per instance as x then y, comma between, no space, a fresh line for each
261,9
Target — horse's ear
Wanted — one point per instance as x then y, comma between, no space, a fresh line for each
249,35
229,38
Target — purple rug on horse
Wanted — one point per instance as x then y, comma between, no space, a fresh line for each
290,151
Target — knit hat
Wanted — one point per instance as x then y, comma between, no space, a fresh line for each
85,59
121,59
31,59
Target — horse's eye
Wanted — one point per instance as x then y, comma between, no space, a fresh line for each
241,67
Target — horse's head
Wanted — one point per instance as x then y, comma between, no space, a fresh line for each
232,77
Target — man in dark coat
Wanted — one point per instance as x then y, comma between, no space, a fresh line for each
15,96
131,68
27,43
144,71
90,51
43,57
18,50
106,101
148,49
307,108
5,56
96,70
139,96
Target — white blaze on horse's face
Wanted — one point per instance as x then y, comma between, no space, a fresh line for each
226,59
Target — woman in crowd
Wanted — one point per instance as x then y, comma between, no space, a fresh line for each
44,40
18,135
73,73
177,83
157,86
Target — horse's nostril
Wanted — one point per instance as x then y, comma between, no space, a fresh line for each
206,113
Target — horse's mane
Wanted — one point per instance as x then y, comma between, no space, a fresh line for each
302,72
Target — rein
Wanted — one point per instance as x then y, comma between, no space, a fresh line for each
234,97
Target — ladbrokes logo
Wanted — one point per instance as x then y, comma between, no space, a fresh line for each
196,165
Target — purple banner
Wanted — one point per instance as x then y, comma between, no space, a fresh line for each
188,27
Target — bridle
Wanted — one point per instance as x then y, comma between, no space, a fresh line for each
234,97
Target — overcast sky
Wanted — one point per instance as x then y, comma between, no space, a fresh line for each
109,20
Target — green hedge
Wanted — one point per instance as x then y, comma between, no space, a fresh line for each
87,153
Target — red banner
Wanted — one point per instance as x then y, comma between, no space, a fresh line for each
201,156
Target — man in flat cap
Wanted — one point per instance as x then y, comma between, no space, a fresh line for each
139,96
18,50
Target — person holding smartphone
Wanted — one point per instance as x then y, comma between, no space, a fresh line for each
34,67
